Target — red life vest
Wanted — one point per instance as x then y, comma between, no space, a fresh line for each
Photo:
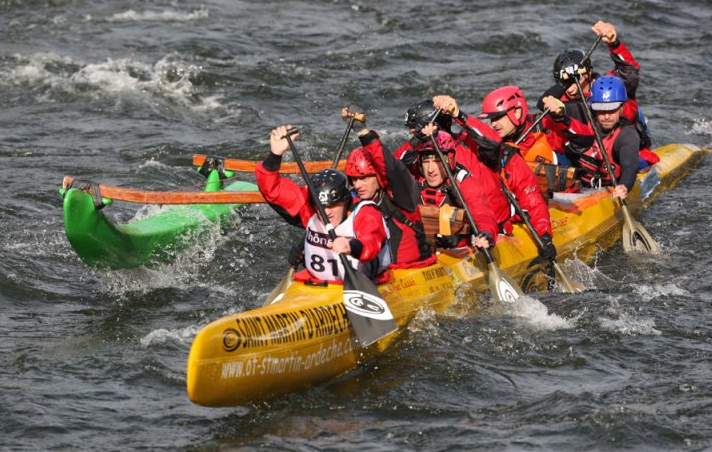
593,166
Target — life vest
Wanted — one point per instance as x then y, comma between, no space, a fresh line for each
326,265
593,166
396,222
438,196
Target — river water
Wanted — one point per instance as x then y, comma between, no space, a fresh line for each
125,92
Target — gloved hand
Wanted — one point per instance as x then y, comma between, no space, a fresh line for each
418,138
567,74
446,241
548,250
296,254
555,106
483,235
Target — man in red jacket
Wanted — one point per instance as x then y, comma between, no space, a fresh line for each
377,176
506,166
361,230
436,190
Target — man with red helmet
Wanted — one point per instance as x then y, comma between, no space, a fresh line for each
506,166
377,176
436,190
361,229
506,108
569,65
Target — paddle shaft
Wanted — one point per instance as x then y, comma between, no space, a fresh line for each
531,127
342,145
460,197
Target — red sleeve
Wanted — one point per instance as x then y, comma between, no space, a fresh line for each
524,185
284,194
409,157
393,176
626,67
369,230
480,208
478,133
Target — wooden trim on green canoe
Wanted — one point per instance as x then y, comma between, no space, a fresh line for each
171,197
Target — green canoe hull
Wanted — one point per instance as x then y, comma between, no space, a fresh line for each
104,244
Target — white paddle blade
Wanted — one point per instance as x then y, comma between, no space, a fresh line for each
502,288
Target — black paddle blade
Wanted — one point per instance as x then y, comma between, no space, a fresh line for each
367,310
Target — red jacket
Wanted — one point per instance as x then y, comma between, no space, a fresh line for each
291,201
568,132
398,201
517,175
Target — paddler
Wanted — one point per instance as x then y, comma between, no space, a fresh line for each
360,227
621,141
436,190
377,176
505,166
506,109
569,65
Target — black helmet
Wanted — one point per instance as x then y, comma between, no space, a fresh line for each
421,114
331,187
567,58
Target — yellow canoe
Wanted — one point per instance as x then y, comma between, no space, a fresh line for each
305,338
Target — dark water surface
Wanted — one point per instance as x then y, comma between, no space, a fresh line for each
125,92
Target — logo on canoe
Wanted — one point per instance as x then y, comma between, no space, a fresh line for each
231,340
366,305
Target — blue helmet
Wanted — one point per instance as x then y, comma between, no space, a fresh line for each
607,93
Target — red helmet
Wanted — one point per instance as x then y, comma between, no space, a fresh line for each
447,146
502,101
358,164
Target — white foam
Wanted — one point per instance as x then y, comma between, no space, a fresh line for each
169,78
702,126
660,290
161,336
163,16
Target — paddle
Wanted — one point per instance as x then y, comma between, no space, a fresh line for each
367,311
353,117
248,166
501,286
567,284
634,235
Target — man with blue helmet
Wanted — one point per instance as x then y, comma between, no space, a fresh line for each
619,137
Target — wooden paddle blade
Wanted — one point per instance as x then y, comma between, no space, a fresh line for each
636,238
278,292
567,284
367,311
502,288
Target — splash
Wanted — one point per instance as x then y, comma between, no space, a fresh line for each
535,314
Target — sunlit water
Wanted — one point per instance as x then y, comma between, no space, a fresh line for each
125,93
